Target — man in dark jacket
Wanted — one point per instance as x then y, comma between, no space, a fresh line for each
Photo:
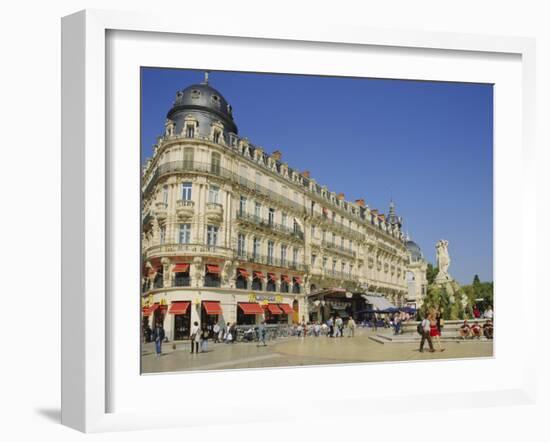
158,337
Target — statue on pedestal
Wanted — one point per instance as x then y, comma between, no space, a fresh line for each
443,261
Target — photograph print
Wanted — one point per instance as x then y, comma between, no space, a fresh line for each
303,220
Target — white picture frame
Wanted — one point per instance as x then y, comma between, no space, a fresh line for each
87,354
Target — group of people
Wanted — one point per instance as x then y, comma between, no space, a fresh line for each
475,330
430,330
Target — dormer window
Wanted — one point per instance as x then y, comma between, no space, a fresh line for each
216,137
216,100
195,94
190,133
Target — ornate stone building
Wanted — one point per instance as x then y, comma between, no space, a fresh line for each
417,283
231,233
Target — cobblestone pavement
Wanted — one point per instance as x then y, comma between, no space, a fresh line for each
300,351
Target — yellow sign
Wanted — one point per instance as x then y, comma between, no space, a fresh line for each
251,297
279,299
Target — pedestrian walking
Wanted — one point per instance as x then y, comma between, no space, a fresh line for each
317,329
158,337
424,329
338,327
233,332
227,333
195,337
216,329
262,332
204,341
351,327
434,331
330,325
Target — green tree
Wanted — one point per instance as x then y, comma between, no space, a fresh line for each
431,273
476,280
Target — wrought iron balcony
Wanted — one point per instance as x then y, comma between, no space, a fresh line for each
269,261
339,249
271,226
188,249
216,170
346,276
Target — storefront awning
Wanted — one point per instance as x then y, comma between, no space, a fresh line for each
272,277
285,278
243,273
286,308
251,308
212,307
211,268
148,311
258,274
179,307
378,302
181,268
274,309
298,280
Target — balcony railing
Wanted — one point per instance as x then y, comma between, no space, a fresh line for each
338,227
269,261
346,276
339,249
272,226
188,248
214,169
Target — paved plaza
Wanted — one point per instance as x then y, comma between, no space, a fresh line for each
295,351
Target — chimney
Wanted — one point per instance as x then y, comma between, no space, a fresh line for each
277,155
360,202
374,212
383,217
340,196
305,173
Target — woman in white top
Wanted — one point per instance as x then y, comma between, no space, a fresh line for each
195,337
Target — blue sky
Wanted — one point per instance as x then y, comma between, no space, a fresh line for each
428,145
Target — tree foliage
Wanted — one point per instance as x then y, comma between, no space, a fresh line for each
431,273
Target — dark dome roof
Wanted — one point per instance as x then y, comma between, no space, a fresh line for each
206,104
414,250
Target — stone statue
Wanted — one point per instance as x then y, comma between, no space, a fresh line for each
443,260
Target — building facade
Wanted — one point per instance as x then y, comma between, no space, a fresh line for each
231,233
417,282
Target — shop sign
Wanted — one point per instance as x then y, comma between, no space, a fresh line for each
265,299
339,305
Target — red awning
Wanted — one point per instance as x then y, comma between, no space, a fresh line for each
211,268
274,309
298,280
251,308
285,278
179,307
212,307
286,308
181,268
272,276
243,273
258,274
147,311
